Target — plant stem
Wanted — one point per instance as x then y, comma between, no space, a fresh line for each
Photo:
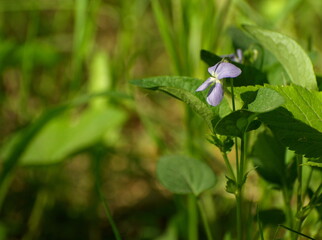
240,183
192,218
299,159
109,215
243,158
204,219
288,209
239,213
240,172
97,176
228,165
299,219
232,94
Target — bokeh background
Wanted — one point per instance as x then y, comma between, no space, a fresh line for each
74,131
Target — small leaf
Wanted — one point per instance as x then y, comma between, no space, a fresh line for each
224,143
184,175
231,186
293,58
313,164
236,123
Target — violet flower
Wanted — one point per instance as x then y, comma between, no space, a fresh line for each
235,57
218,72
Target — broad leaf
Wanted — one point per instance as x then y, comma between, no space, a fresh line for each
293,58
293,133
266,100
298,124
184,175
305,105
184,89
64,135
268,156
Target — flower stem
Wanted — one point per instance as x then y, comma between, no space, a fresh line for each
240,172
97,155
240,183
204,219
288,209
239,213
232,94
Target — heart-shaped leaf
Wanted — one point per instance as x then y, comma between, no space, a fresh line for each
184,175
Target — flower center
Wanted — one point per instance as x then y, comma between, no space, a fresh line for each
214,78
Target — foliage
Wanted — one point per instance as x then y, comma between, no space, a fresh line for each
83,145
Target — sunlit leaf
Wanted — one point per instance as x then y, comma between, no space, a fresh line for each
293,58
64,135
313,164
266,100
184,175
298,123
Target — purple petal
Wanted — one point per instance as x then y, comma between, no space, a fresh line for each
213,69
215,95
239,55
204,85
230,56
227,70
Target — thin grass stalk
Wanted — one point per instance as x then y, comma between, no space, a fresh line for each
204,219
192,218
97,177
80,12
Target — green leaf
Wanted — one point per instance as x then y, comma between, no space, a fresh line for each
268,157
293,133
298,123
236,123
184,89
64,135
184,175
266,100
12,151
231,186
293,58
313,164
305,105
209,58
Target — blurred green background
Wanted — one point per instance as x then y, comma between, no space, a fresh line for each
73,128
